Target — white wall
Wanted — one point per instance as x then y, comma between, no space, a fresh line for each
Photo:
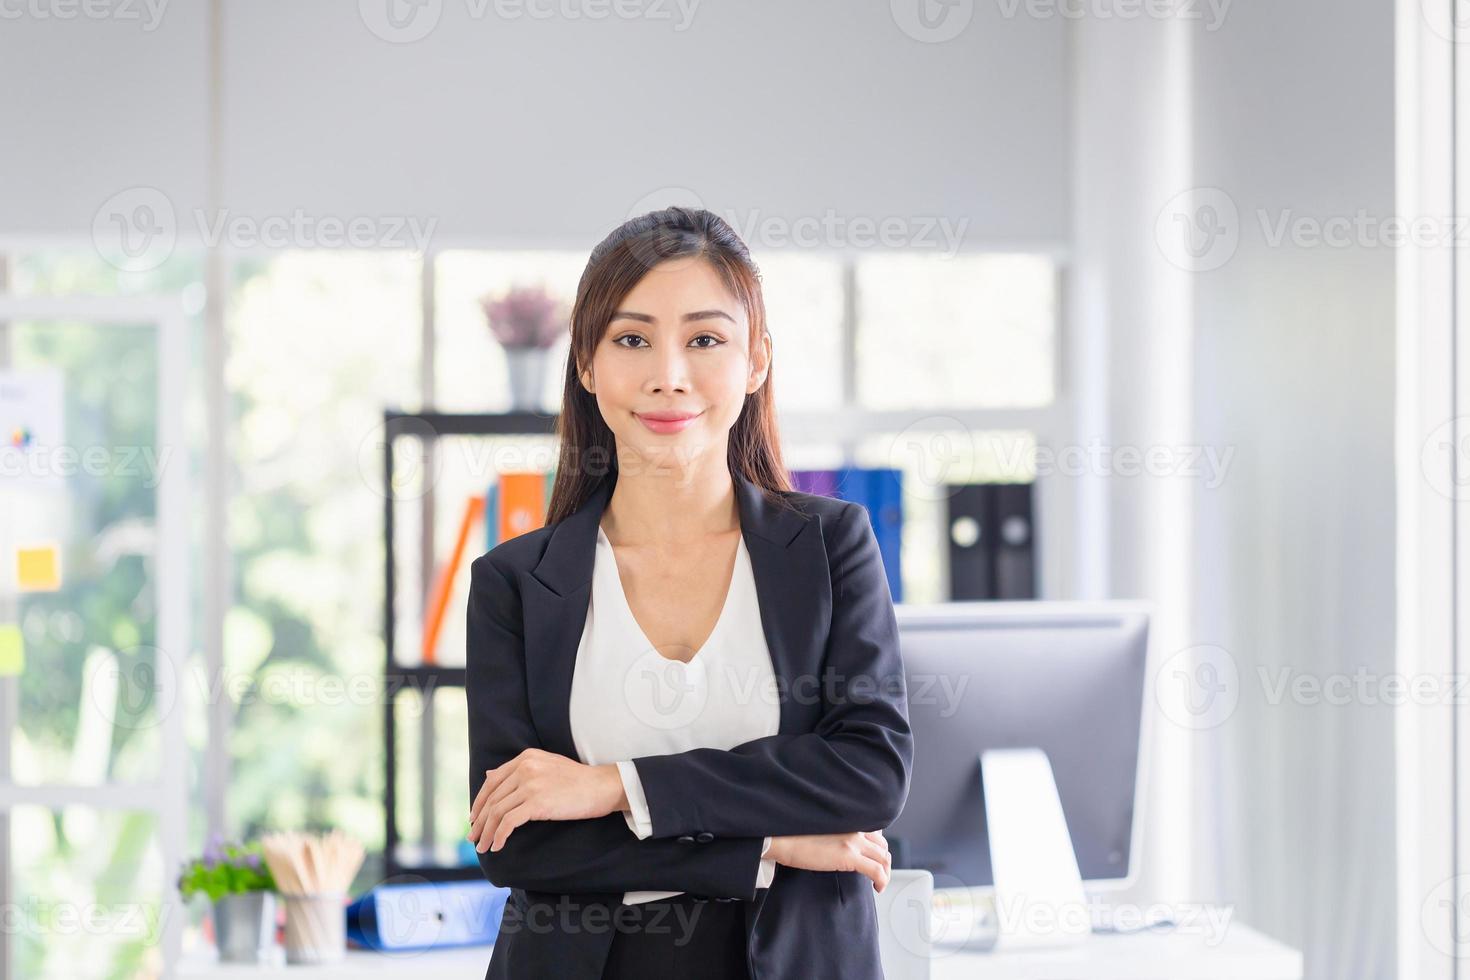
1130,319
1284,357
93,107
522,131
1294,113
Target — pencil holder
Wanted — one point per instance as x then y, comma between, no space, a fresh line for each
316,928
313,873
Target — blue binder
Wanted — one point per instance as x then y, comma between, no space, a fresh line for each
425,915
880,490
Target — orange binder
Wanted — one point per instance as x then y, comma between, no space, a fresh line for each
522,503
523,507
474,511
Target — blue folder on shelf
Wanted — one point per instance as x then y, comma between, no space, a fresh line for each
425,915
880,491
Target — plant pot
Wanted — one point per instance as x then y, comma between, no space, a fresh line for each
527,369
245,927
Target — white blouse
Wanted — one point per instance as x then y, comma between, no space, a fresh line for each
628,700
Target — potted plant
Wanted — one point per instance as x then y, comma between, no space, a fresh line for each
239,883
526,320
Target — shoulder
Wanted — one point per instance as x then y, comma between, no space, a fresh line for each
845,524
832,511
514,555
854,560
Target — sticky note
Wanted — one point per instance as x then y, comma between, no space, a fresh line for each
38,569
12,650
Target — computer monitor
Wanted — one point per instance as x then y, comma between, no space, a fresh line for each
1067,677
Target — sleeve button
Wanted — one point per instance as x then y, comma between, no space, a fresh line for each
686,839
704,837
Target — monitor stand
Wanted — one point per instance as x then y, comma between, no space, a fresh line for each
1039,899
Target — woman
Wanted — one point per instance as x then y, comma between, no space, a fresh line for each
687,714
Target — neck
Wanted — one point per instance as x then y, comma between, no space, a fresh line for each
658,508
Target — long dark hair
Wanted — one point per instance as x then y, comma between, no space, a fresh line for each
588,452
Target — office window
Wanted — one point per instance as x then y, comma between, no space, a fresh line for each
319,342
91,891
469,364
89,644
87,713
971,331
76,271
444,843
804,300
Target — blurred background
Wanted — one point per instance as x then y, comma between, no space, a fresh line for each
1179,274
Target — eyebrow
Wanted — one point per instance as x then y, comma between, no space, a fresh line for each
687,317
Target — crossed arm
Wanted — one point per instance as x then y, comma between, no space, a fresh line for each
850,774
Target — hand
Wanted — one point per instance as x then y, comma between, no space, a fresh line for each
865,852
540,785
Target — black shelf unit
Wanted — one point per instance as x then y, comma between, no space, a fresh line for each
398,678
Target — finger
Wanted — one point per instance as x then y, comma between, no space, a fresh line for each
497,825
875,871
493,779
507,786
886,874
876,851
883,859
878,861
493,816
490,815
477,823
870,851
512,820
486,788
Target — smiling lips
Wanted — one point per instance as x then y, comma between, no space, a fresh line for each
664,423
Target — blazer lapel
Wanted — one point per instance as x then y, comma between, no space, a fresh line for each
793,589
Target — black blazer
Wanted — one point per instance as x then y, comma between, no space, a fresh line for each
839,763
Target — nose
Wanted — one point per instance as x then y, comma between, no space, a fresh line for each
669,371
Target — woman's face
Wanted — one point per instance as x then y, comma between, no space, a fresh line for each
672,370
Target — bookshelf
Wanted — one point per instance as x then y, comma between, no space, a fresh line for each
400,858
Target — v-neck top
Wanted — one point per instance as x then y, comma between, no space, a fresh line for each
628,700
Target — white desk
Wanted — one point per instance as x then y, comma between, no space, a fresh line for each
458,963
1243,954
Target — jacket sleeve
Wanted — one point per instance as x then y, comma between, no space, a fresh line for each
640,822
852,772
568,856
